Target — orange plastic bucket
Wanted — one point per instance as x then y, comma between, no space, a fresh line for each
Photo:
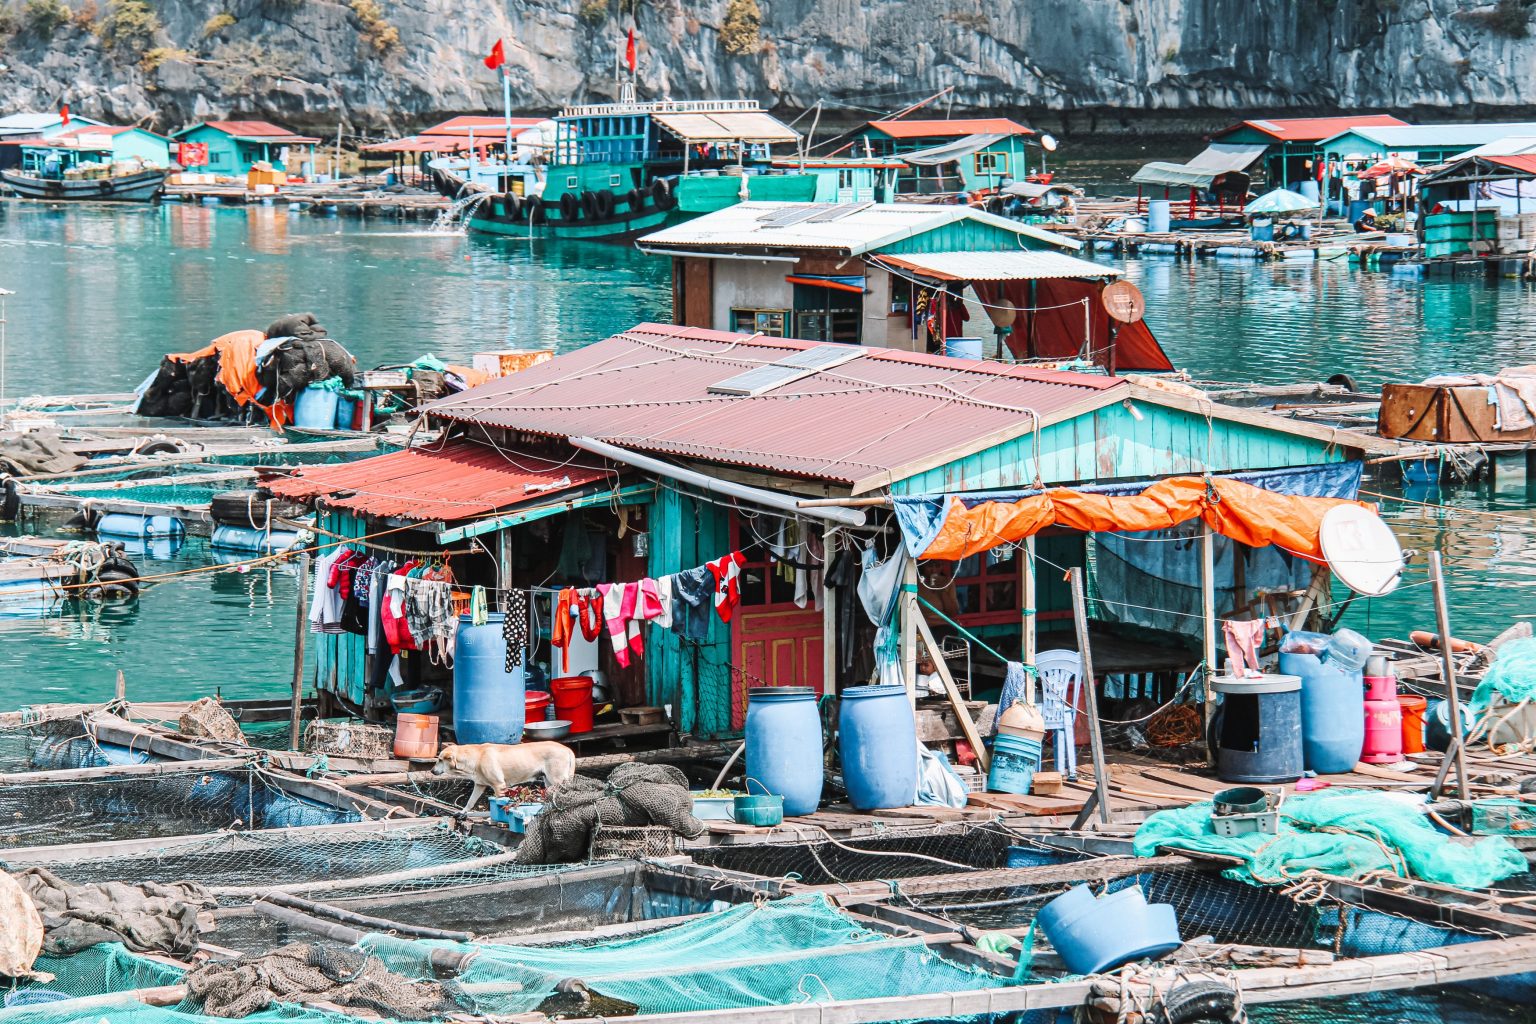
1413,722
416,737
573,701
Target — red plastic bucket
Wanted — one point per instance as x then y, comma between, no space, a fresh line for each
573,701
1413,722
537,704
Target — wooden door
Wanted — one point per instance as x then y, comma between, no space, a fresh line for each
774,642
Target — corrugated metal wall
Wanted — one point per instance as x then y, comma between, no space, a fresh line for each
964,236
340,658
1111,444
695,678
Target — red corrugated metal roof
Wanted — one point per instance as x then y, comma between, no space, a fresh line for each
860,421
951,128
1312,129
1525,162
461,480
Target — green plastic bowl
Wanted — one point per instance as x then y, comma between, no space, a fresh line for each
763,810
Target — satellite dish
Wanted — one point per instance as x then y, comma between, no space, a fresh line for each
1123,301
1048,143
1361,550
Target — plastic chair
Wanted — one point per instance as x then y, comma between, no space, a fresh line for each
1061,681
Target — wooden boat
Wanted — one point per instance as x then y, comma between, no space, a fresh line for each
139,187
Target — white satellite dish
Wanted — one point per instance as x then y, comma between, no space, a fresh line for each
1048,143
1361,550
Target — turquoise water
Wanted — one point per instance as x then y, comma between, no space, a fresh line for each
102,294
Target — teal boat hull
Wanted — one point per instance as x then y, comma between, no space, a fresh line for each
620,225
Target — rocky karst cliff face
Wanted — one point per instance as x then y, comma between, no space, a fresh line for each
385,65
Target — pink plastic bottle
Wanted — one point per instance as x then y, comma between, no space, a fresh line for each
1383,715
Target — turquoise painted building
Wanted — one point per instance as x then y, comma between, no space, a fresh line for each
1424,144
234,146
949,156
519,501
96,144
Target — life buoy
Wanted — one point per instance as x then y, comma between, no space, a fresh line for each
661,194
570,206
636,199
602,204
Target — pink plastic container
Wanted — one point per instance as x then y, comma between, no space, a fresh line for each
1383,732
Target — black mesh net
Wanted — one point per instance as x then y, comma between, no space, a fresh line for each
907,855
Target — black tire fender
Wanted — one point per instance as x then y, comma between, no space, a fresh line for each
570,206
1345,381
1200,1002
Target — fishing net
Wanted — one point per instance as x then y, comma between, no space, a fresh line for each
149,806
348,861
905,855
50,745
785,952
1450,1006
315,972
634,794
1342,832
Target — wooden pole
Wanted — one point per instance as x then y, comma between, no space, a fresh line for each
296,709
1208,615
956,701
1443,623
122,686
1095,737
1031,614
909,612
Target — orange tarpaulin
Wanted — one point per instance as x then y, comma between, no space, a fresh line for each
237,370
1249,515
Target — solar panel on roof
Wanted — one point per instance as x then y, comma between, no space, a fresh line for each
837,212
795,366
799,214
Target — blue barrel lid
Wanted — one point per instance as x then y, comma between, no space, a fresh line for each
877,690
490,617
781,693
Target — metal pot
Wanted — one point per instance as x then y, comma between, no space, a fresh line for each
558,729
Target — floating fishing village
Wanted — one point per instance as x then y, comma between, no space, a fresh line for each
699,559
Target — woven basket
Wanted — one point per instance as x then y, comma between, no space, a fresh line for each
350,739
624,842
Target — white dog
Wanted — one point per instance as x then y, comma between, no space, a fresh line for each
499,766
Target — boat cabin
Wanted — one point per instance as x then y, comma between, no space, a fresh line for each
234,146
798,469
53,156
943,157
909,276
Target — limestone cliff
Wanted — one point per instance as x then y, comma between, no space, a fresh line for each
386,65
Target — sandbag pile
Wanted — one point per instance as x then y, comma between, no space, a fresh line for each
634,794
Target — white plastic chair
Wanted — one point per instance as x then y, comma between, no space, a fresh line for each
1061,682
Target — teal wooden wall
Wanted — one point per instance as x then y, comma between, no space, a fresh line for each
695,678
1111,444
340,658
964,236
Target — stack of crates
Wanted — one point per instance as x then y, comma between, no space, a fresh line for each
1464,231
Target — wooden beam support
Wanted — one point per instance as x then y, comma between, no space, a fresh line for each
956,701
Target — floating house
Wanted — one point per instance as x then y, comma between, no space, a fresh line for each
233,146
34,125
666,448
896,276
95,144
1288,149
948,156
1424,144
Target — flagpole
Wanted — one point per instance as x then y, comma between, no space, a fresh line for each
506,110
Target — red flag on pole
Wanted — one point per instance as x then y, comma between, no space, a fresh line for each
498,56
64,113
629,52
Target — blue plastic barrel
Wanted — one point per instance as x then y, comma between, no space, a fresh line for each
784,745
120,524
963,348
315,409
249,541
487,699
346,409
877,741
1093,935
1307,189
1015,759
1159,216
1332,711
1262,229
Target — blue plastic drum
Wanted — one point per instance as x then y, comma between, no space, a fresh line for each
877,740
784,745
488,704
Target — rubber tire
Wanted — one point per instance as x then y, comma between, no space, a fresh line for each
661,194
995,205
603,203
512,204
570,206
1344,380
636,199
589,204
161,448
536,212
10,502
1200,1002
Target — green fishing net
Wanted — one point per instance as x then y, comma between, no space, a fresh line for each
1512,675
1341,832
